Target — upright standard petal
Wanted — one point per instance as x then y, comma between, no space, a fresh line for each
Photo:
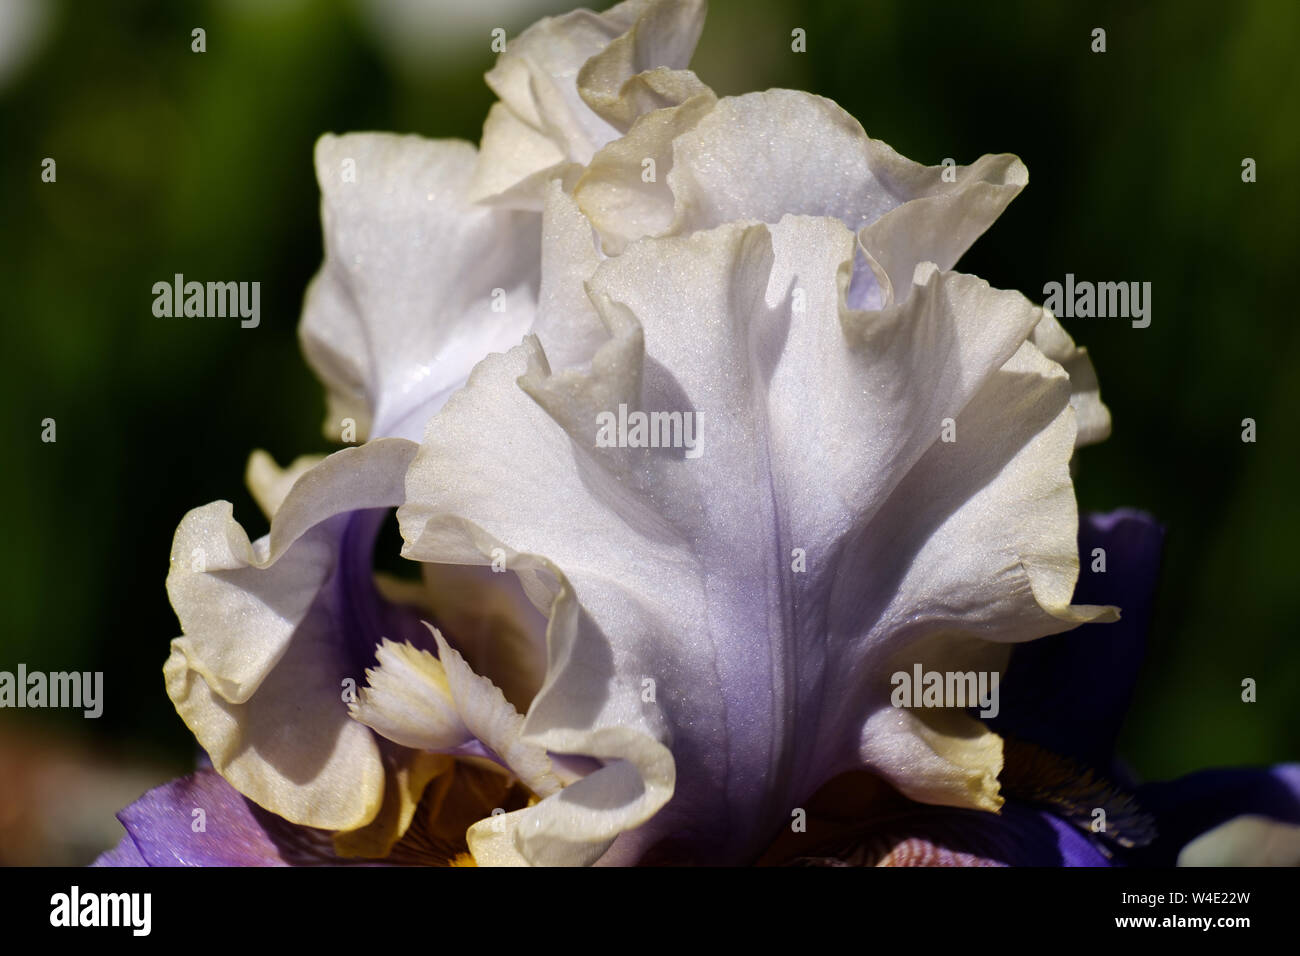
570,84
418,284
1085,393
753,521
765,155
567,323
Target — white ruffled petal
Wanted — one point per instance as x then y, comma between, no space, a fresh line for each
692,632
784,152
570,84
625,191
567,323
1091,415
418,284
291,747
258,674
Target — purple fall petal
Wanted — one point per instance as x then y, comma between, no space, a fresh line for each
125,854
160,829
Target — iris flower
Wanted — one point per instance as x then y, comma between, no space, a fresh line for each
653,649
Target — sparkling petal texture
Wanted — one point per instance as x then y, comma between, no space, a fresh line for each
680,566
567,322
570,84
785,152
766,155
417,285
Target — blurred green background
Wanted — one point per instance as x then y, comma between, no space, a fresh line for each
172,161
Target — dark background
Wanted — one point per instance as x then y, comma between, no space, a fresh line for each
173,161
